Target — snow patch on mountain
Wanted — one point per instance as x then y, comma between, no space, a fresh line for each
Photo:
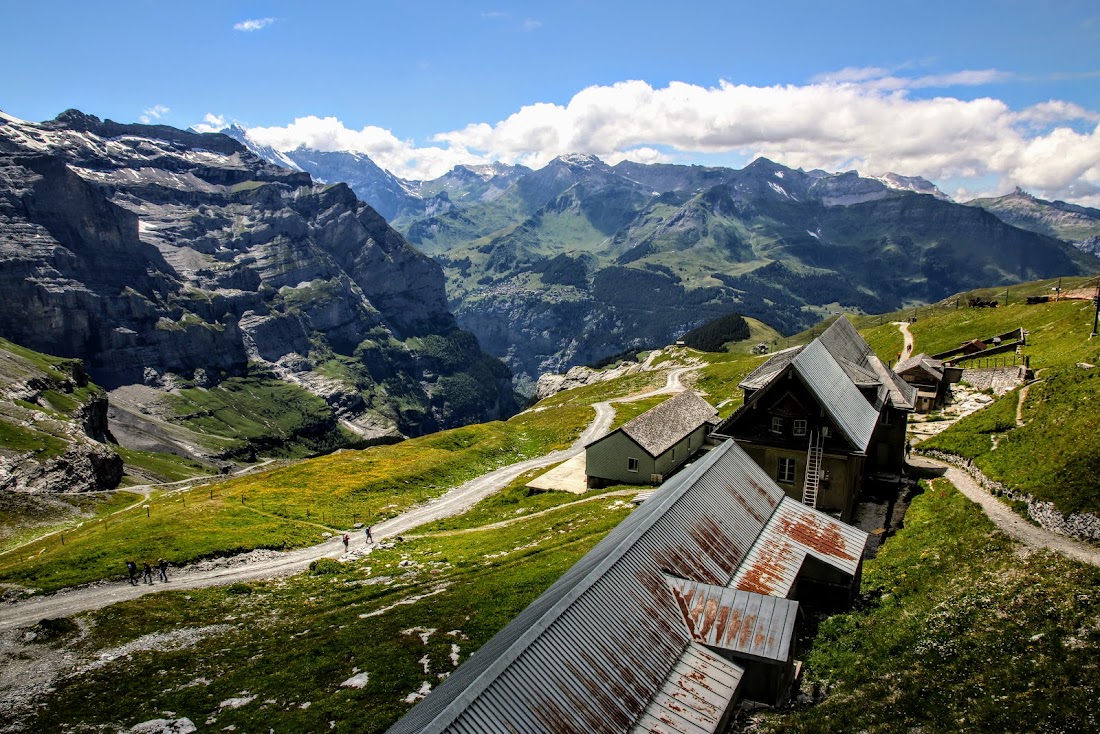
915,184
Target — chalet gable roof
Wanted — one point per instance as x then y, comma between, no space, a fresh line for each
663,426
608,645
841,400
923,363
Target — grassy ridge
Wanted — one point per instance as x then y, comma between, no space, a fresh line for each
957,633
291,643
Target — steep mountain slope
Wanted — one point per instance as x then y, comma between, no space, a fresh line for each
767,241
172,258
1078,225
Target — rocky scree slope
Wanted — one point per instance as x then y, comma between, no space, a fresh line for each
167,257
580,260
53,426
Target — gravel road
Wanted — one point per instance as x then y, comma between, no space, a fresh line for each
271,564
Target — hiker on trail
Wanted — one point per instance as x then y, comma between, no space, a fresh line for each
347,539
131,568
908,449
146,572
370,538
162,567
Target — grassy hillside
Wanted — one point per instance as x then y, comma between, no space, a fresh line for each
293,506
283,649
955,632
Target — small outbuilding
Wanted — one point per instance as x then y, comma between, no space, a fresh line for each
650,447
929,377
973,346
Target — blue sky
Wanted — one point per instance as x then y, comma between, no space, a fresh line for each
977,96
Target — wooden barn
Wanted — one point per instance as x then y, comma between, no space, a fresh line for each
649,448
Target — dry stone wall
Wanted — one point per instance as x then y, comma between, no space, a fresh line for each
1081,526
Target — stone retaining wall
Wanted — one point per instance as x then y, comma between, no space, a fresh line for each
1082,526
998,379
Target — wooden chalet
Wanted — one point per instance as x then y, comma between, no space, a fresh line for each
687,607
929,378
650,447
825,418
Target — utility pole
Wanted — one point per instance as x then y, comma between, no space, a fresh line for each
1096,316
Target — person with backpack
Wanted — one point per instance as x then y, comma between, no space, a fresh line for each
131,568
347,539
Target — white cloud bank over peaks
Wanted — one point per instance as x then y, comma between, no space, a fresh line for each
863,119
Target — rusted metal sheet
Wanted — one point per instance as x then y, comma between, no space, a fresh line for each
792,533
604,644
742,622
694,697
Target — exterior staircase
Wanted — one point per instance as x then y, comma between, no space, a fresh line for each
813,470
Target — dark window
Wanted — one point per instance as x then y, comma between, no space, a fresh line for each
800,428
885,418
632,464
777,424
785,471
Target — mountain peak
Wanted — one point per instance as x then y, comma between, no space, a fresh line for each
580,160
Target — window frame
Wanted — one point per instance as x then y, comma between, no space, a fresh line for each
786,467
801,427
632,464
777,424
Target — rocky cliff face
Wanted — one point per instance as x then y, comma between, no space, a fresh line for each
53,426
163,256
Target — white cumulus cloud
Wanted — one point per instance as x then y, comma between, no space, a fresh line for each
211,123
155,112
253,24
854,118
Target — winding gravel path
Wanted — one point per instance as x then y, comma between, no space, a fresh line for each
453,502
907,348
1004,518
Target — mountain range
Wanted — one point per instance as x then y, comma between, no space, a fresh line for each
172,260
580,260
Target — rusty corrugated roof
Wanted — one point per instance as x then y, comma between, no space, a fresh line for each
599,649
794,532
694,697
743,622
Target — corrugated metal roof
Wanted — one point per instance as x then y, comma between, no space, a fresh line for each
743,622
663,426
794,532
900,393
853,416
844,342
600,648
765,373
694,697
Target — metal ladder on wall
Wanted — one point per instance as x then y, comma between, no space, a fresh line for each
813,470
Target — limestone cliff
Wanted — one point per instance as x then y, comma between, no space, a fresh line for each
168,258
